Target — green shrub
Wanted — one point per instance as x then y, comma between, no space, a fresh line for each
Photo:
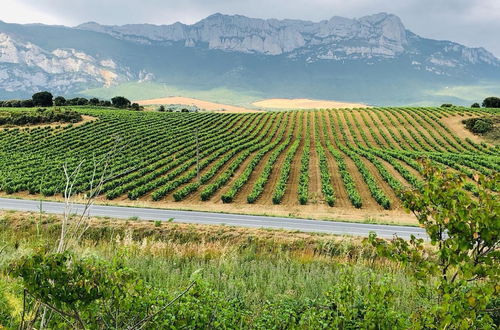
478,125
6,318
482,126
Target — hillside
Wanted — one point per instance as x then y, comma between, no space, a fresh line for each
373,60
344,164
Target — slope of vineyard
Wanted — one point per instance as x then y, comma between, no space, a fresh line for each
342,163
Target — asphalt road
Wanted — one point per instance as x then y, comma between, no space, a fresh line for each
252,221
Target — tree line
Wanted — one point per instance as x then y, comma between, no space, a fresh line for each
46,99
40,116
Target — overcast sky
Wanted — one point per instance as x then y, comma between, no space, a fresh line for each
474,23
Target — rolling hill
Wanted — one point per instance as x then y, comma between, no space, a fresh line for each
347,163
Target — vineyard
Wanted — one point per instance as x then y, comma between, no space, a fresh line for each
327,159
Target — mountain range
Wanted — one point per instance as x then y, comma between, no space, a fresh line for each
373,59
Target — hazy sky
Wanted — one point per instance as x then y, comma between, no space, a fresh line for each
473,23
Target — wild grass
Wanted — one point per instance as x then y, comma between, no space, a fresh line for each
254,266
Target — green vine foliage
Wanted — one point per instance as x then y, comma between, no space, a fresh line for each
463,262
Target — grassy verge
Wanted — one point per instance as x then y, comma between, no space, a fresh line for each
274,276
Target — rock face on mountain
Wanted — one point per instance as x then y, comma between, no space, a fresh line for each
376,36
27,67
373,59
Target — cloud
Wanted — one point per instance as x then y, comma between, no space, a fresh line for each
474,23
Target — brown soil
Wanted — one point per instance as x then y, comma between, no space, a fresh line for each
267,195
439,133
316,208
194,194
364,192
454,123
205,105
447,134
397,127
389,192
366,197
379,127
216,198
247,188
341,197
395,172
365,128
315,193
291,192
420,131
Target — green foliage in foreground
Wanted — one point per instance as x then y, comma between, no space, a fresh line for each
466,232
98,294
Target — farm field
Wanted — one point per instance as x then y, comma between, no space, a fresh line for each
345,164
205,105
305,104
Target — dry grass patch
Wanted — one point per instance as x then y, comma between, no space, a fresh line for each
205,105
305,104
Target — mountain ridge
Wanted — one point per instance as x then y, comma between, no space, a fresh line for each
372,59
293,34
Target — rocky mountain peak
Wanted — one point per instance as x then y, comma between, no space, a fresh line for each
375,35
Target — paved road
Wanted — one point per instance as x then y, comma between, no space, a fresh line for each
253,221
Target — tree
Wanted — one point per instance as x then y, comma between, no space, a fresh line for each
465,231
81,101
42,99
475,105
491,102
77,101
135,106
27,103
120,102
59,101
94,101
446,105
161,108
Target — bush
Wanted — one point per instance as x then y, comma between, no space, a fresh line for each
135,106
482,126
446,105
475,105
86,290
478,125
